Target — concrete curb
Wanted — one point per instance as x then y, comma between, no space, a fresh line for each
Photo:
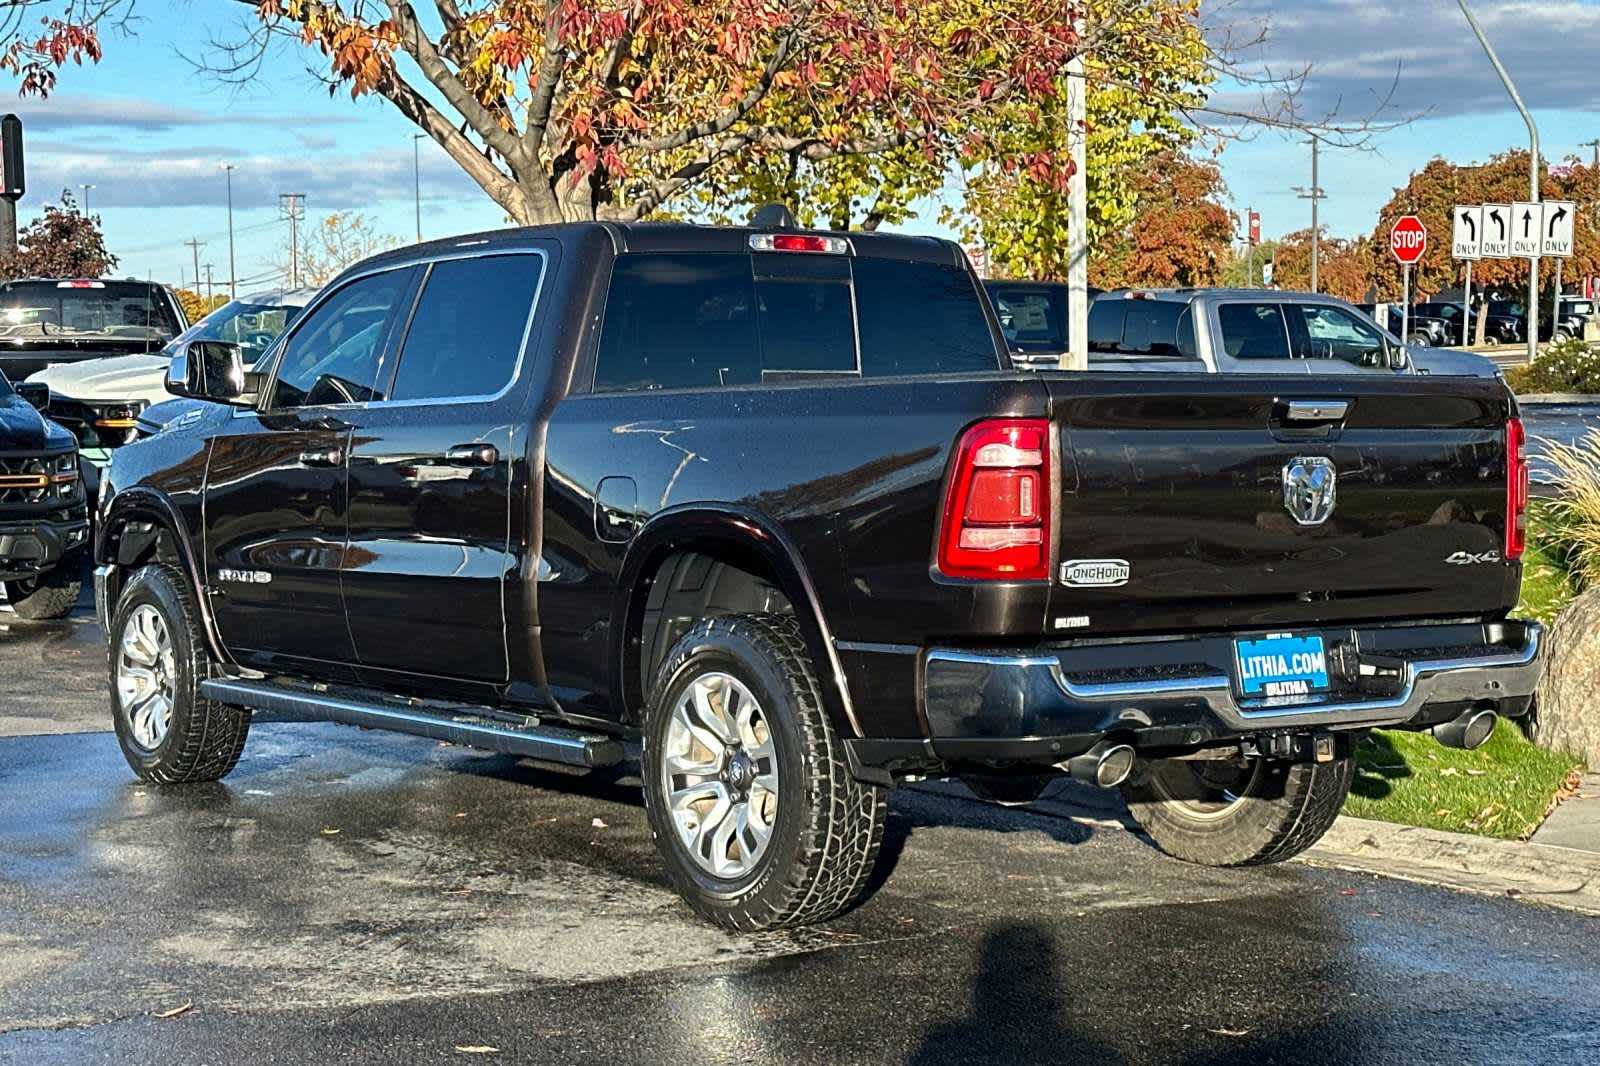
1561,877
1558,397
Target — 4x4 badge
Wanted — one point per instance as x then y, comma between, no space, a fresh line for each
1471,559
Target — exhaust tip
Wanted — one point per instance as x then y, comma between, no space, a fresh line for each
1104,765
1468,730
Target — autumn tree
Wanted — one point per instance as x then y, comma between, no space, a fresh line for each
197,306
1180,234
1345,267
61,243
337,241
1434,191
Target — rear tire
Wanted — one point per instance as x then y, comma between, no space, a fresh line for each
169,733
735,736
1218,814
51,595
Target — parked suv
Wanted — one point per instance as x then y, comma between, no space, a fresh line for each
1033,318
767,511
44,518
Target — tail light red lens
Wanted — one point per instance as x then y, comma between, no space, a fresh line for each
996,522
1516,489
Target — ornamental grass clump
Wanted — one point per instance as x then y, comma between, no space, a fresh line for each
1570,523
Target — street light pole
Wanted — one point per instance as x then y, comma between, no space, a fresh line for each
86,189
416,180
1077,210
233,277
1533,172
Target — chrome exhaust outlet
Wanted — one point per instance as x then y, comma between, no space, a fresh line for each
1468,730
1105,765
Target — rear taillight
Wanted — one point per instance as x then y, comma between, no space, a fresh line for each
1516,489
997,509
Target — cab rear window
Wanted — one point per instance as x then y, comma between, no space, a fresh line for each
92,307
713,320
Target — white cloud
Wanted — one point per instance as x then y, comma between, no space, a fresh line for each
1425,51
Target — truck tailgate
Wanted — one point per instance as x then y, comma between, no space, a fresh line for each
1176,511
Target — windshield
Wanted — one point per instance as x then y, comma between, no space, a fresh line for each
252,326
1505,307
130,309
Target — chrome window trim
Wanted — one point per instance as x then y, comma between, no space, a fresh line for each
426,262
522,346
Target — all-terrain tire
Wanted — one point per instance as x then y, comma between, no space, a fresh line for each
51,595
1285,809
204,738
828,827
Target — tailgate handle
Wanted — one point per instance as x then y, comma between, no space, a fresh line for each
1315,410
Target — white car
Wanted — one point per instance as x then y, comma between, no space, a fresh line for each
101,399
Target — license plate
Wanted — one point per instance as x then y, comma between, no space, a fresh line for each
1284,664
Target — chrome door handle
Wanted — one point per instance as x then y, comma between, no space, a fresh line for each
330,457
472,455
1315,410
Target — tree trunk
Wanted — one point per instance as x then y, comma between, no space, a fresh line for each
1481,326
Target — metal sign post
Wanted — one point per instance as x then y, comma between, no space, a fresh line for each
1555,238
1405,302
1466,242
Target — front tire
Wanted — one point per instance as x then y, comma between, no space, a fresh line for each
169,733
749,796
1227,813
51,595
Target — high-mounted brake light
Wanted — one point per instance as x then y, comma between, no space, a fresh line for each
996,522
80,283
1516,489
798,242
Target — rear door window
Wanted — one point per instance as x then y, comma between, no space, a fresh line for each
467,333
679,321
1254,331
920,318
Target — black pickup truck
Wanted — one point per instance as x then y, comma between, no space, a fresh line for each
769,512
44,517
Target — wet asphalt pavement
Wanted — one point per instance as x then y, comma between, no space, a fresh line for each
353,897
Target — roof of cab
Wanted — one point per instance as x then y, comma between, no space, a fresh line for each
671,237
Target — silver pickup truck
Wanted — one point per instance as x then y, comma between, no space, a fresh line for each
1237,331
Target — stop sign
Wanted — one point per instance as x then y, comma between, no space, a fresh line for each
1408,239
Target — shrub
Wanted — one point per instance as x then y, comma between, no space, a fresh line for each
1569,365
1568,527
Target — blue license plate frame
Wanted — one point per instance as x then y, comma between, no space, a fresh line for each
1280,664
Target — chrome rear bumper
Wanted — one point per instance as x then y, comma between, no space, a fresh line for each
973,699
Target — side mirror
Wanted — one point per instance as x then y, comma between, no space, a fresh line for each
35,392
208,370
1399,358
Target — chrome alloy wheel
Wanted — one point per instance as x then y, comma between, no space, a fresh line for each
146,676
719,773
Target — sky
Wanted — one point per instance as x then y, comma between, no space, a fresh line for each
150,128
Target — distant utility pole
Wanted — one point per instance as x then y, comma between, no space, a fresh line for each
416,178
1595,144
208,286
194,246
86,189
1315,194
233,277
292,206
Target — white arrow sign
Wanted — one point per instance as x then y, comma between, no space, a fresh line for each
1527,223
1496,231
1466,232
1559,216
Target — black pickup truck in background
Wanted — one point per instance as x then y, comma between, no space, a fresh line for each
769,512
45,322
44,516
